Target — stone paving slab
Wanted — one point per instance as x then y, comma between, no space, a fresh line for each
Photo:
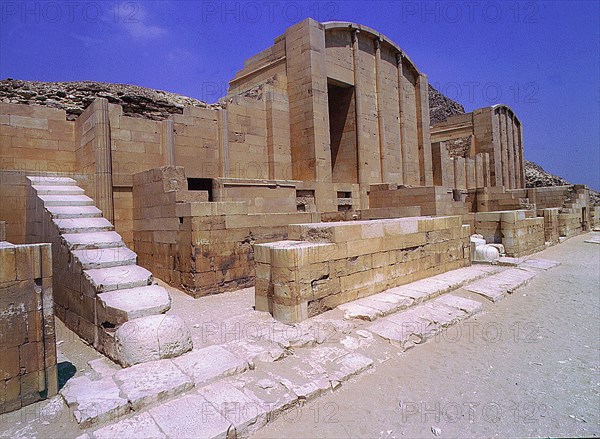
56,189
540,264
122,305
191,416
208,364
103,368
66,200
105,257
66,212
141,426
83,225
94,401
595,239
306,380
246,414
260,386
81,241
150,382
256,350
497,286
117,278
466,305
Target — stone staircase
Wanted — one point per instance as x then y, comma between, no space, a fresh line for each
99,290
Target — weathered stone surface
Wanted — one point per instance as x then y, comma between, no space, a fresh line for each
497,286
150,382
105,257
94,401
113,278
306,380
245,413
191,416
540,264
119,306
151,338
256,350
207,364
81,241
467,305
273,396
103,368
141,426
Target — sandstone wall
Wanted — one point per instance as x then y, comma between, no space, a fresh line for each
28,370
325,265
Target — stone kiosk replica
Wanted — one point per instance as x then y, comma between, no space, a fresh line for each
318,179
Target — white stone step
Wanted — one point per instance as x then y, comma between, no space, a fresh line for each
52,181
81,241
66,200
117,278
69,212
119,306
83,225
105,257
58,190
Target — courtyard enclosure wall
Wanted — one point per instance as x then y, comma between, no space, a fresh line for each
325,265
330,123
28,371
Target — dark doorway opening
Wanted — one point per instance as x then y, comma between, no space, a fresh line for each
201,184
342,133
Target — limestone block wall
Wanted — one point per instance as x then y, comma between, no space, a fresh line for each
519,231
494,130
551,222
200,246
595,216
28,370
432,200
33,140
327,264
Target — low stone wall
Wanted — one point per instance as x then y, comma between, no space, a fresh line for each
569,224
432,200
551,232
28,370
200,246
519,231
326,264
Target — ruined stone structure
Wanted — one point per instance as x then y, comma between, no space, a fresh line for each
329,124
28,371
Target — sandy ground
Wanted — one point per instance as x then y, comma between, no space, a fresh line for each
526,366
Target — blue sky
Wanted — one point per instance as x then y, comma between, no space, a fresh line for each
540,58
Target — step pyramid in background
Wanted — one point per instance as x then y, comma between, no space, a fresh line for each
99,290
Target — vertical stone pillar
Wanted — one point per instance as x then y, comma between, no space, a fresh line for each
511,151
167,142
363,172
307,90
103,159
403,152
384,168
503,147
278,134
521,158
424,135
223,134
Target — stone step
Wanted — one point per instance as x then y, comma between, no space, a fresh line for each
105,257
66,200
84,241
58,190
52,181
70,212
119,306
83,225
498,286
118,278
